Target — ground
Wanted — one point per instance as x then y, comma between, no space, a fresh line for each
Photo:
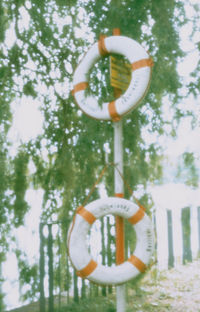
181,288
176,290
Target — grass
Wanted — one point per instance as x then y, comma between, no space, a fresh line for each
99,304
173,290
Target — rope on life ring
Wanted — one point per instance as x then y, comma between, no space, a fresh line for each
78,250
141,65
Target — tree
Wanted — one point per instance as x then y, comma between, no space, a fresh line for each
49,38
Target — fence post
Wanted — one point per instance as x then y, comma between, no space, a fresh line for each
50,255
170,239
42,269
186,232
198,214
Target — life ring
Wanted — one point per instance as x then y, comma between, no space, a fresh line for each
141,73
78,250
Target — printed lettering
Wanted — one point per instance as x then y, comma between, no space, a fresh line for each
149,235
127,97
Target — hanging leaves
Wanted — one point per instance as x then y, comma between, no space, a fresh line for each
29,90
20,185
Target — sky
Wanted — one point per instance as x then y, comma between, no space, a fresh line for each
27,124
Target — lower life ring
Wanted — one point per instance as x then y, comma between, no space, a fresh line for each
78,250
141,65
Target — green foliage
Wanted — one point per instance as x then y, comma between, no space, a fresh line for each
20,185
187,170
3,22
28,276
5,198
97,304
28,89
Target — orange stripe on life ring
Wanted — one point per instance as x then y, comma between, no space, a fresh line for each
116,32
142,63
88,216
113,112
120,195
87,270
120,250
79,87
120,255
141,266
137,216
102,47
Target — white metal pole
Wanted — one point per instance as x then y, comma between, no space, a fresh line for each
119,189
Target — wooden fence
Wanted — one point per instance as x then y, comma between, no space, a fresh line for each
177,224
177,236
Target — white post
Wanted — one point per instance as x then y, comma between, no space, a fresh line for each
119,189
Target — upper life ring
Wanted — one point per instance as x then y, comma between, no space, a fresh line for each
141,73
78,250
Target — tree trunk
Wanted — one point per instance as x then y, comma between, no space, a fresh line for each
42,269
59,273
103,251
109,251
67,278
76,296
50,255
83,290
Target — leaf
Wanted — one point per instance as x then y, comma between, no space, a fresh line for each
28,89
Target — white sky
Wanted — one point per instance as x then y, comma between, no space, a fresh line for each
27,122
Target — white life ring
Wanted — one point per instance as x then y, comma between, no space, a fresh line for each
78,250
140,78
